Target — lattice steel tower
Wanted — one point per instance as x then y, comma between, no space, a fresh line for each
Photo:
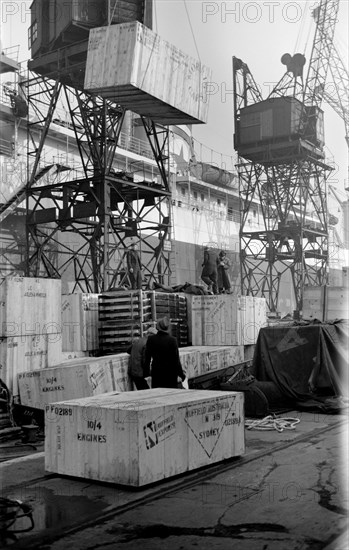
282,168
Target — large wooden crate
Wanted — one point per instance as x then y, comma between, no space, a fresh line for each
27,353
214,320
252,316
337,303
70,380
80,322
141,437
29,306
314,302
198,360
130,64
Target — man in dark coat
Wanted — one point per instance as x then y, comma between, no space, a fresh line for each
209,271
136,362
162,350
223,265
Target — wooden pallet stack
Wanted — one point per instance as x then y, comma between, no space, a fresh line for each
141,437
123,316
30,326
174,306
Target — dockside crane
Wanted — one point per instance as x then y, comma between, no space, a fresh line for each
79,229
282,166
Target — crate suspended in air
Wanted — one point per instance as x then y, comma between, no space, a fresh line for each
131,65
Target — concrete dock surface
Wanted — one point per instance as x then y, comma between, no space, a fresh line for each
289,491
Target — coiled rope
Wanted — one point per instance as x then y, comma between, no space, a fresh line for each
271,422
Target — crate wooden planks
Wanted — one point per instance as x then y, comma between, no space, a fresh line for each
337,303
30,326
252,316
225,320
130,64
141,437
119,371
198,360
72,379
30,306
213,320
80,322
314,302
27,353
79,377
326,303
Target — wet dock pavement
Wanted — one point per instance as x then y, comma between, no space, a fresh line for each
289,491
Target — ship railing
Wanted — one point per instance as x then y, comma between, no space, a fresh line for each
12,52
6,147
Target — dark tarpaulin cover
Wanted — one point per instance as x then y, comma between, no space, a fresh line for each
304,359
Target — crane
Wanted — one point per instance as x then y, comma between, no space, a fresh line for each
280,144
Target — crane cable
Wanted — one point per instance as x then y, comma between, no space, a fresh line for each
302,30
191,28
271,422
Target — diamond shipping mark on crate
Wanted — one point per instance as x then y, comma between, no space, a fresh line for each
133,66
137,438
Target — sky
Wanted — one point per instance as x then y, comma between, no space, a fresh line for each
257,32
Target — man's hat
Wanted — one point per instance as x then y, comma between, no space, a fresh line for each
163,324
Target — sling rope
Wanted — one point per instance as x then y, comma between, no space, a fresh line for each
271,422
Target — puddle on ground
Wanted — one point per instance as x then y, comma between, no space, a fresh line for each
52,511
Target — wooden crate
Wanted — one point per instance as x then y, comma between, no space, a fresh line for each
119,371
314,302
29,306
260,316
67,355
253,316
214,320
130,64
27,353
70,380
80,322
137,438
198,360
337,303
191,361
246,318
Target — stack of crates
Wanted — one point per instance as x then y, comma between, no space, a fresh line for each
123,316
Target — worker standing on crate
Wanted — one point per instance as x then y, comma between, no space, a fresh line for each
136,362
223,265
134,267
209,271
162,351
